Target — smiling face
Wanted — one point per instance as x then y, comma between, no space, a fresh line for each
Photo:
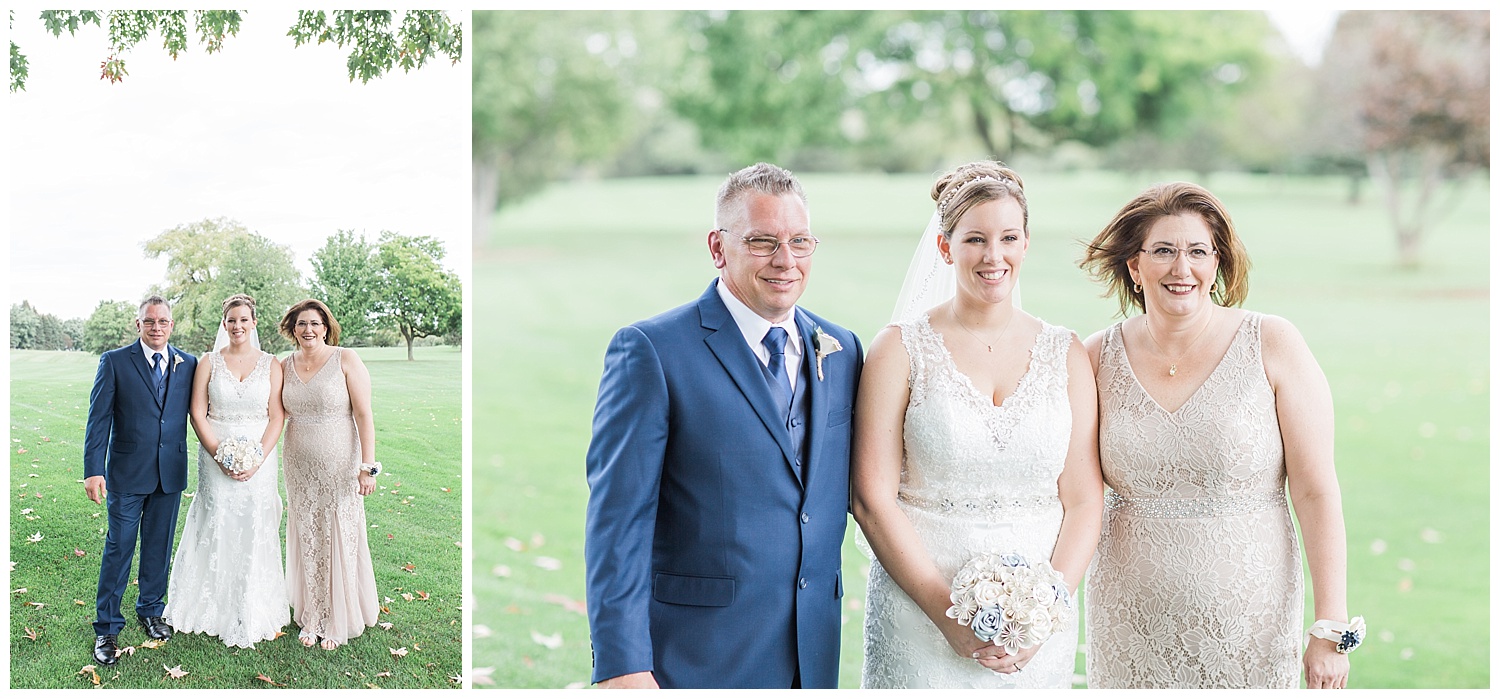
986,249
309,329
770,286
1179,287
239,322
154,324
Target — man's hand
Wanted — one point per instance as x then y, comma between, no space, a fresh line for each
634,680
94,487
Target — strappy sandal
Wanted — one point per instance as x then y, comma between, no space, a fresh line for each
330,644
308,638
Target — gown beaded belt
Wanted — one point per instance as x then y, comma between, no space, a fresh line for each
319,418
978,506
1187,508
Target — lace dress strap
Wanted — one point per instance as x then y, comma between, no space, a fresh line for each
926,353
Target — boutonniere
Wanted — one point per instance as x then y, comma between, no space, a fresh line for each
176,359
823,345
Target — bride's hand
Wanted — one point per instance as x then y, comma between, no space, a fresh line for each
963,641
246,474
995,658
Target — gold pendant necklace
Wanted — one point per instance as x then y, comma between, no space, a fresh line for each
1172,368
988,346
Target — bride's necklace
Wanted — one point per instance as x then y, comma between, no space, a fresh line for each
1172,370
988,346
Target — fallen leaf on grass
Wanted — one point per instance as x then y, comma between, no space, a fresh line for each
514,544
30,634
22,450
38,605
128,650
382,674
34,537
152,643
409,568
175,673
279,634
399,652
80,602
423,596
416,647
79,553
567,603
388,537
370,686
446,490
26,511
456,679
89,672
407,596
386,625
481,675
268,680
500,571
552,642
19,591
548,563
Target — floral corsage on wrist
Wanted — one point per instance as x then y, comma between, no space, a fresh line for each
824,345
370,469
1346,637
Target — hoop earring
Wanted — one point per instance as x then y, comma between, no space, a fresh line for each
1213,288
1137,288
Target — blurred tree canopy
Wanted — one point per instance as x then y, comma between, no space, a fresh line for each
415,295
31,329
346,276
210,260
1408,94
568,93
376,44
111,325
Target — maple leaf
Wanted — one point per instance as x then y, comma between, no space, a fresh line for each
386,625
424,596
34,537
175,673
399,652
30,634
408,567
127,650
407,596
262,677
152,643
91,673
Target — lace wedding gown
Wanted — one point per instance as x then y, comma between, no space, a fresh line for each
330,579
226,576
977,479
1198,579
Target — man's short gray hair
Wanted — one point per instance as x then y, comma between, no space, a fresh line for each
760,178
152,300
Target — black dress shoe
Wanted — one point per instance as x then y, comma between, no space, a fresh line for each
104,649
156,627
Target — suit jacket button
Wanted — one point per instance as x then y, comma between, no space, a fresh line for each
802,583
805,518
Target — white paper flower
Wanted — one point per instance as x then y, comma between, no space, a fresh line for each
988,593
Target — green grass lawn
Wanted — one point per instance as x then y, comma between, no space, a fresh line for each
415,517
1406,353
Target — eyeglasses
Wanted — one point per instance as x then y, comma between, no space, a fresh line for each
1167,254
156,323
766,246
310,324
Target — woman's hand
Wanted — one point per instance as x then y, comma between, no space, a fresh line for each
247,473
997,659
1323,667
963,641
366,483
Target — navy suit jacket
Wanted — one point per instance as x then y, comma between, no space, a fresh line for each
135,441
710,561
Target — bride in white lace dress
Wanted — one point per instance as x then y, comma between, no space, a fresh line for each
227,577
975,432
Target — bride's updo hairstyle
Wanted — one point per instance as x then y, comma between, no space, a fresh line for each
976,183
239,300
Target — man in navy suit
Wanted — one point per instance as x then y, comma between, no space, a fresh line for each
719,468
135,451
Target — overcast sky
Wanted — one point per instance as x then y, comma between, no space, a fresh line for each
272,136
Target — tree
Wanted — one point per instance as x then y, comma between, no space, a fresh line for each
212,259
73,332
346,275
34,330
416,297
376,46
111,325
1415,86
552,90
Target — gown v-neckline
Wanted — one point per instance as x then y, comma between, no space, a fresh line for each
968,382
1196,391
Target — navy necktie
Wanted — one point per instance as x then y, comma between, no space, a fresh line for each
161,377
781,388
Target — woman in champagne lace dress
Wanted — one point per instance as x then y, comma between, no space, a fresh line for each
1209,417
226,575
330,456
974,434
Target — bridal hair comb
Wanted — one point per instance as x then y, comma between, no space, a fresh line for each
954,190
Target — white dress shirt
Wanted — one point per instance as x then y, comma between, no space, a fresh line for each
754,328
